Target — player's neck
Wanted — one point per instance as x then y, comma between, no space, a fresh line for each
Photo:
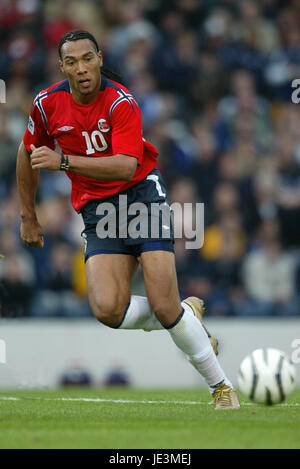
85,99
81,98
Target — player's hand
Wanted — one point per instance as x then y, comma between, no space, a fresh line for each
44,158
32,233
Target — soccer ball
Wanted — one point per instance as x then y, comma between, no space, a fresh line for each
267,376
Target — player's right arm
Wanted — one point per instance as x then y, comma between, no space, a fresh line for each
27,180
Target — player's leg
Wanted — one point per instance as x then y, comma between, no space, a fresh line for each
179,319
140,315
110,266
109,279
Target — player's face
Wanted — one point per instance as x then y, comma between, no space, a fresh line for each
81,64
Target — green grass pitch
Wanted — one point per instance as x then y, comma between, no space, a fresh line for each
132,419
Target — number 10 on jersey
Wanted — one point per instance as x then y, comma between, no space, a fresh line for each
94,141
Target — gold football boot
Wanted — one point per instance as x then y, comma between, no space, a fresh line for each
198,308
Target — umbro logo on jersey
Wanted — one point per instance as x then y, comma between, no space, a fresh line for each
65,128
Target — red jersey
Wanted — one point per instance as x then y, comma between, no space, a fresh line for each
110,125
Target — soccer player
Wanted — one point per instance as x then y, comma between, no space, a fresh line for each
97,124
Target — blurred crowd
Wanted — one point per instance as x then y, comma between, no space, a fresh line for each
213,80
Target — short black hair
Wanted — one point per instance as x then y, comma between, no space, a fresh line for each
76,35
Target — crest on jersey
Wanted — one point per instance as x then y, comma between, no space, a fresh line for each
103,125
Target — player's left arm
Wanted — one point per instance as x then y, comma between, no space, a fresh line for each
118,167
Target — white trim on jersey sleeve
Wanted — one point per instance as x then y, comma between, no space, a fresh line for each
38,103
122,97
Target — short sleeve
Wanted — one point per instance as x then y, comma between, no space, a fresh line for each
127,135
36,133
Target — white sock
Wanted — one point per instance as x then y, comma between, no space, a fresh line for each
139,315
189,335
212,372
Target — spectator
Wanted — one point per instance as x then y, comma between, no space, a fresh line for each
255,29
270,281
15,292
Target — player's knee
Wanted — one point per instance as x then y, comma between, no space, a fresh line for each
110,312
164,311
